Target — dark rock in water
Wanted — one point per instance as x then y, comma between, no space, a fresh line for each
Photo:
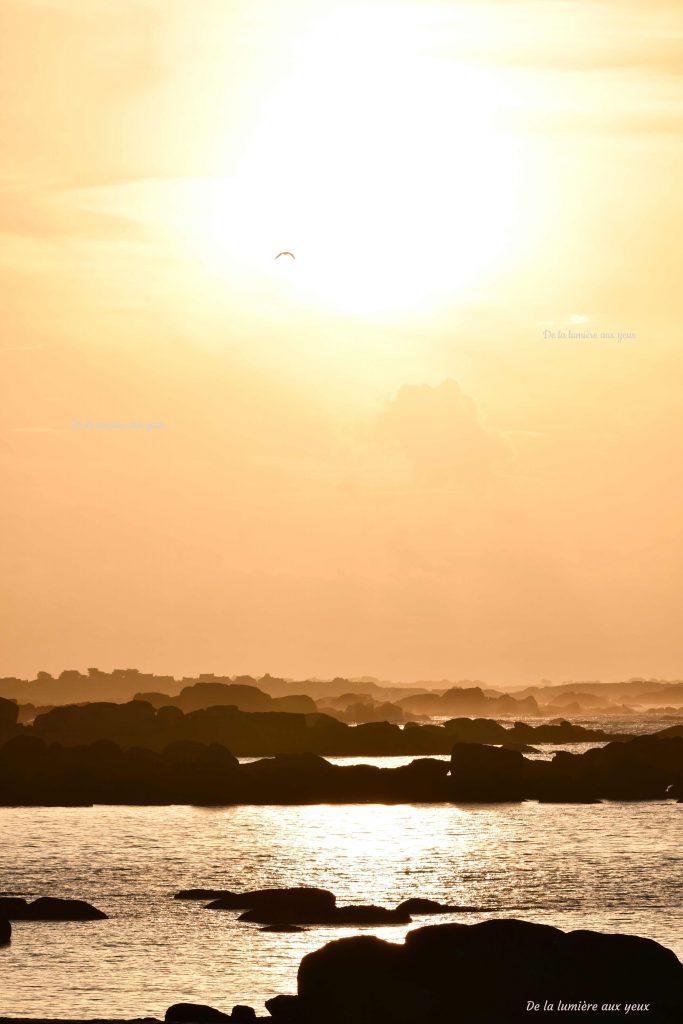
203,894
5,931
370,915
487,972
357,915
279,906
243,1014
13,908
48,908
194,1013
285,1009
282,928
416,905
487,773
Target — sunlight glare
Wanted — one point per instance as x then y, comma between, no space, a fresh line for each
391,178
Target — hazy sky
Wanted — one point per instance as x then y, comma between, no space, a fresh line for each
374,459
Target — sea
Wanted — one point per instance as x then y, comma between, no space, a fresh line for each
610,866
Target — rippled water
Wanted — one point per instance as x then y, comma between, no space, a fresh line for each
612,867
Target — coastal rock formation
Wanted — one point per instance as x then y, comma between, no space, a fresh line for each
278,732
282,928
242,1014
304,906
49,908
490,972
276,904
202,894
192,772
351,915
5,931
284,1009
417,905
14,908
645,768
470,700
282,909
194,1013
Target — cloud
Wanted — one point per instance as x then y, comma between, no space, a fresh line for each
438,430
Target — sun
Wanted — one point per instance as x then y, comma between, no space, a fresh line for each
381,163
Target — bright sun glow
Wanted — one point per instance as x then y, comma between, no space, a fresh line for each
379,163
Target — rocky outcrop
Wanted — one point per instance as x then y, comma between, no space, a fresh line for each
194,1013
282,928
191,772
417,905
9,716
202,894
645,768
5,930
284,1009
276,728
49,908
493,971
350,915
470,700
13,908
278,903
304,906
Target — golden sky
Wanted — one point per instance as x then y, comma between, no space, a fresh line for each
381,457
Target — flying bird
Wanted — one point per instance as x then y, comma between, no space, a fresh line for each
285,253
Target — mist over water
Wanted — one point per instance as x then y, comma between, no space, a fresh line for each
609,867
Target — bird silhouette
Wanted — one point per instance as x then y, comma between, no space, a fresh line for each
285,253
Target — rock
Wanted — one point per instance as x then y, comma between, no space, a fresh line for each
194,1013
13,908
5,931
49,908
355,915
284,1009
282,928
203,894
416,905
243,1014
370,915
279,906
487,773
485,972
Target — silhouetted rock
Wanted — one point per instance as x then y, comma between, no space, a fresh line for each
202,894
277,904
9,716
285,1009
49,908
5,931
304,906
242,1014
468,701
416,905
195,772
194,1013
351,915
486,773
282,928
487,972
14,908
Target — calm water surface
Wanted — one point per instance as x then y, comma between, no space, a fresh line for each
612,867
